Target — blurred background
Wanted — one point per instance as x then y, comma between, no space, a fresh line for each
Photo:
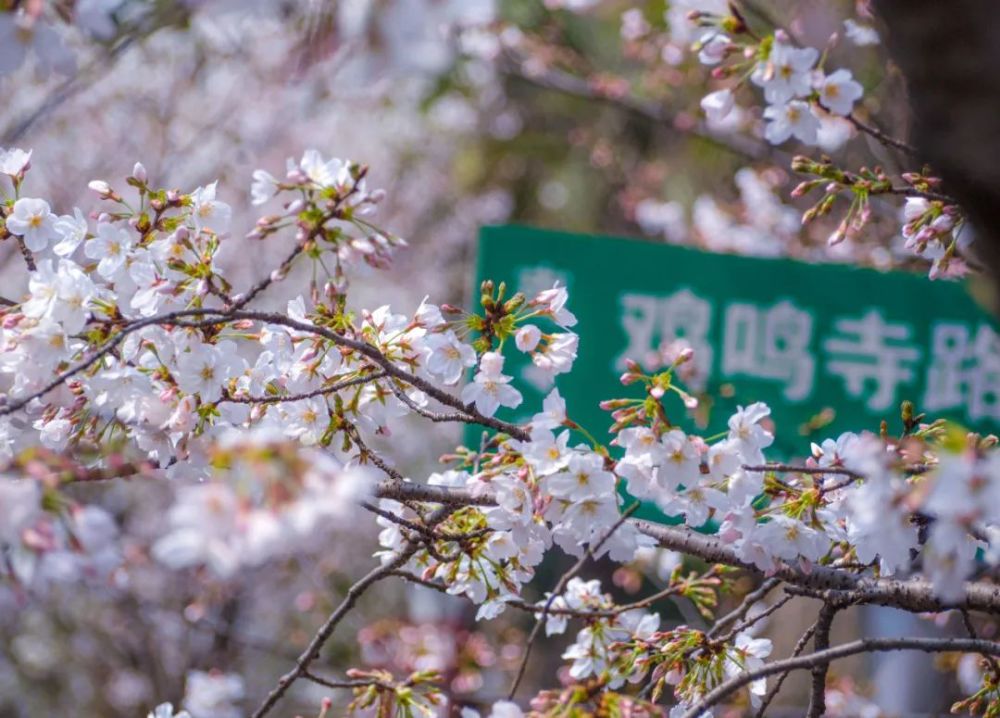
571,114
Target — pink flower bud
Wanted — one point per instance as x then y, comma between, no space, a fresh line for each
944,223
101,187
802,188
139,172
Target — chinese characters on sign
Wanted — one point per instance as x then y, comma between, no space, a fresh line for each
866,356
829,347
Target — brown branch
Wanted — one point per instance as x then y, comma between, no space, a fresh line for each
800,646
864,645
422,530
821,642
559,81
914,192
882,137
911,595
323,391
457,416
29,258
326,630
746,604
365,454
215,317
407,491
799,469
328,683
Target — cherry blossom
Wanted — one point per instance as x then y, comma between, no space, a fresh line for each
33,220
491,388
787,72
793,119
838,92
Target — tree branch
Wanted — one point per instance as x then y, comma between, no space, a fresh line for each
864,645
911,595
800,646
817,692
326,630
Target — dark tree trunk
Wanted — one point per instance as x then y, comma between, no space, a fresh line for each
949,52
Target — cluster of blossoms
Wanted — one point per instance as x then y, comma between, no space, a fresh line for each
760,224
269,497
816,109
803,100
49,539
933,229
130,349
806,93
546,492
168,391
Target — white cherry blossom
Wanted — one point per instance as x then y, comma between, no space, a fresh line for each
33,221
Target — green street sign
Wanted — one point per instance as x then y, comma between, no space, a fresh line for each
830,348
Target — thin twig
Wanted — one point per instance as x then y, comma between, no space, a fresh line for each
746,604
800,469
423,530
800,646
559,588
326,630
882,137
756,618
914,192
457,416
967,621
319,680
288,398
365,454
